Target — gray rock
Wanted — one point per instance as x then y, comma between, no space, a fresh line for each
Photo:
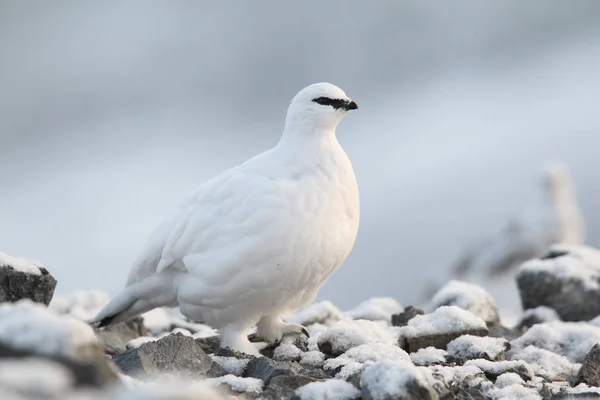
266,369
385,380
115,337
467,296
589,373
210,345
406,315
176,353
561,280
493,369
90,368
440,340
17,285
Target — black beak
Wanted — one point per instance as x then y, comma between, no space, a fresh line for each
352,106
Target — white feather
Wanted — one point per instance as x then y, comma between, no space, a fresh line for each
260,239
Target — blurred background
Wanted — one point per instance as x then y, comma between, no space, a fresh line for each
112,112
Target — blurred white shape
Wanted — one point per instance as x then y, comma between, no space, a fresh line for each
554,217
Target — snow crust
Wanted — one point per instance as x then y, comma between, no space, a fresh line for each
331,389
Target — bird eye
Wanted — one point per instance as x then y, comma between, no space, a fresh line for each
335,103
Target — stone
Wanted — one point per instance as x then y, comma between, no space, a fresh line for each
173,354
402,318
440,327
90,368
266,369
115,337
469,347
16,285
467,296
210,345
567,279
493,369
389,380
589,373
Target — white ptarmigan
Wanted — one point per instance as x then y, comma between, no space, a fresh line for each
259,240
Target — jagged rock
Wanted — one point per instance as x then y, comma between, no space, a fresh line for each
115,337
388,380
402,318
469,297
34,283
210,345
567,279
441,327
176,353
589,373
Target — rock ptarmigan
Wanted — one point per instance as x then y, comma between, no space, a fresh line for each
259,240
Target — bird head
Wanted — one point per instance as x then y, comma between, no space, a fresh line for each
318,107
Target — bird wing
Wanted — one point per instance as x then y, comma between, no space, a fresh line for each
225,220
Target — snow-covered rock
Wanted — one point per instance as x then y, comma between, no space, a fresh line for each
570,339
21,278
331,389
537,315
469,347
353,360
440,327
385,380
29,326
238,384
493,369
402,318
544,363
469,297
566,279
376,309
344,335
428,356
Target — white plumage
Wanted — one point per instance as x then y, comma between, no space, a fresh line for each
258,240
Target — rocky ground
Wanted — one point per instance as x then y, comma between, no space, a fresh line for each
458,348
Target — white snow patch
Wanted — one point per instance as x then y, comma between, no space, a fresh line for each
507,379
513,392
238,384
467,296
232,365
364,354
453,375
137,342
323,312
582,263
287,352
428,356
469,347
445,319
570,339
541,313
545,363
21,264
500,367
347,334
376,309
34,377
387,379
331,389
31,326
312,358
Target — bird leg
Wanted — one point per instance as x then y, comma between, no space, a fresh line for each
235,337
272,329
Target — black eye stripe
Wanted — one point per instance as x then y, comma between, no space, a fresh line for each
335,103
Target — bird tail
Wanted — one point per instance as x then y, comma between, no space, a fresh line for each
152,292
